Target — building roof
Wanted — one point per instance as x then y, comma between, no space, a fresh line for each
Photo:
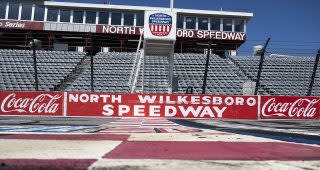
247,15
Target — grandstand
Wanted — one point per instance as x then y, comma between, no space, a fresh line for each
53,68
78,39
114,69
112,72
282,75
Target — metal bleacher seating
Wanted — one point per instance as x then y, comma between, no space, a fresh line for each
17,71
112,73
155,75
223,76
282,75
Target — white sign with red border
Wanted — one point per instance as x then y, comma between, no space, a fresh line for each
160,25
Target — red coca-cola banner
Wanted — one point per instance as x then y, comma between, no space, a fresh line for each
31,103
155,105
287,107
158,105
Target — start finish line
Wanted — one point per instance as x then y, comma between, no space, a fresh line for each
155,105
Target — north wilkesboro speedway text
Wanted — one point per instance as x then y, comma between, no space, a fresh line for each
154,105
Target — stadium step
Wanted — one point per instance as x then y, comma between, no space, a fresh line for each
80,68
262,90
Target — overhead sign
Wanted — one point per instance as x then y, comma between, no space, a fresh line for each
111,29
163,30
159,105
214,35
160,25
25,25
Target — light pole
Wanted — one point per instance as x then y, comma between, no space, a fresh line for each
171,5
33,46
204,86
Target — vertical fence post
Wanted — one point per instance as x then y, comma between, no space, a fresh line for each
33,46
204,86
313,76
91,62
260,66
25,41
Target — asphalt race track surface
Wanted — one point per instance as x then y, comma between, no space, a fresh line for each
141,143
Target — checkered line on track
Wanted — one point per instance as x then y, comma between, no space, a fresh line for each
145,125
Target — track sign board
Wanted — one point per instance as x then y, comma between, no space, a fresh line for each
160,25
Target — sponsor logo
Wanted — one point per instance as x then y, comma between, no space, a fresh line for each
160,24
301,108
12,24
43,103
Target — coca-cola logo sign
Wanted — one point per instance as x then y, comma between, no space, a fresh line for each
39,104
290,108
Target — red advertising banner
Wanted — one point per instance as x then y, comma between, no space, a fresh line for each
156,105
31,103
181,33
287,107
25,25
214,35
111,29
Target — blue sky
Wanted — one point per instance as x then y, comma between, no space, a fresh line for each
292,25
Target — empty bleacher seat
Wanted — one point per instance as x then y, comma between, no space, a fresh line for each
17,71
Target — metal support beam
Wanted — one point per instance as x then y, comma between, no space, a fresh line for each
91,63
171,67
33,46
313,76
136,74
135,62
49,42
204,86
25,41
171,5
143,73
260,67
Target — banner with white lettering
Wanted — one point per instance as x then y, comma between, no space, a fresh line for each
180,33
156,105
31,103
24,25
212,35
124,30
290,107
